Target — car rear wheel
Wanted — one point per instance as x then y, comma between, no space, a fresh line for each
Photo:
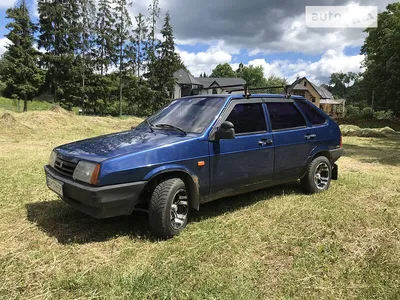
318,176
169,208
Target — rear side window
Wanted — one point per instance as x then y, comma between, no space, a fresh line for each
248,118
285,115
312,114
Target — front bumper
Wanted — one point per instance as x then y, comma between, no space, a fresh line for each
99,202
336,154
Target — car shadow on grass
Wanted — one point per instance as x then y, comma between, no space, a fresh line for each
231,204
69,226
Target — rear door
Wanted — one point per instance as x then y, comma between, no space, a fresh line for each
291,138
248,160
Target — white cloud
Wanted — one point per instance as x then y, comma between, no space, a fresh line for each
206,61
273,68
7,3
3,43
330,62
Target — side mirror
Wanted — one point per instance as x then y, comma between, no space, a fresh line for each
225,132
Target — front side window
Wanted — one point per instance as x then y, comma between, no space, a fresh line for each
285,115
190,114
248,118
312,114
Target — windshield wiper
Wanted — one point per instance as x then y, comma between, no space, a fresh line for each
171,127
150,125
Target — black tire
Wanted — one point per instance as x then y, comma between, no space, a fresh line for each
313,183
164,208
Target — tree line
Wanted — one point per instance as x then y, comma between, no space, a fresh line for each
253,75
377,88
92,55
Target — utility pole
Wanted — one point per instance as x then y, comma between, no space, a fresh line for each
373,96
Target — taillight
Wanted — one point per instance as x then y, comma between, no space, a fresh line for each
341,142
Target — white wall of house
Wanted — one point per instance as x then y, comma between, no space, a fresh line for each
177,91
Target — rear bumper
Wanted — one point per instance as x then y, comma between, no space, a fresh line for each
336,154
99,202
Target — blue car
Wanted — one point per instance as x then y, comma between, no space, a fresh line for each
196,150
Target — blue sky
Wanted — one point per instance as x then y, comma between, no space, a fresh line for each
271,34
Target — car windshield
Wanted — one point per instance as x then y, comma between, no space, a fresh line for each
192,115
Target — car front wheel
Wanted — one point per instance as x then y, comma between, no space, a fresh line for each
168,211
318,176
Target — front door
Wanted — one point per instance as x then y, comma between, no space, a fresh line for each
248,160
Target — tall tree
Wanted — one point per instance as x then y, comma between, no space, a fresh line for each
87,28
254,76
169,61
382,59
154,10
22,75
151,55
59,36
223,70
105,37
122,25
140,34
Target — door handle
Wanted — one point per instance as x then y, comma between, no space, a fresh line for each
310,136
265,142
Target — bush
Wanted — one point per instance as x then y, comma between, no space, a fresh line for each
352,111
383,115
367,113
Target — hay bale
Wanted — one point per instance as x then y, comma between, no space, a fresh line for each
369,132
349,130
387,130
8,118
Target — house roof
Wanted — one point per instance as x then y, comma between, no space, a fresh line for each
208,82
184,77
332,101
322,91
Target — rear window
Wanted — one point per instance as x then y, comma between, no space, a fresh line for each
285,115
312,114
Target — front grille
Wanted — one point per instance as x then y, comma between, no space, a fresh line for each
64,167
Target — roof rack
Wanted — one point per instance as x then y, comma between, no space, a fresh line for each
246,88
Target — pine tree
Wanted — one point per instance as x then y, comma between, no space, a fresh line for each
139,39
168,62
105,37
23,77
151,55
86,28
122,25
154,10
59,36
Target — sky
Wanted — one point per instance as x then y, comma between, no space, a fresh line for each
268,33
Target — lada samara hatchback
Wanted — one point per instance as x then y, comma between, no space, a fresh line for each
195,150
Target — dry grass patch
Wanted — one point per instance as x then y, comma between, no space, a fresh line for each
272,244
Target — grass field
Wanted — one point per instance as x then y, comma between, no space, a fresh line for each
12,105
272,244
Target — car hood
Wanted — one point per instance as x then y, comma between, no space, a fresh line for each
112,145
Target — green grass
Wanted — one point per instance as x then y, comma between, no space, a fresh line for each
271,244
12,105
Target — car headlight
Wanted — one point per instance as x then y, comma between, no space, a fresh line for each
87,172
52,159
